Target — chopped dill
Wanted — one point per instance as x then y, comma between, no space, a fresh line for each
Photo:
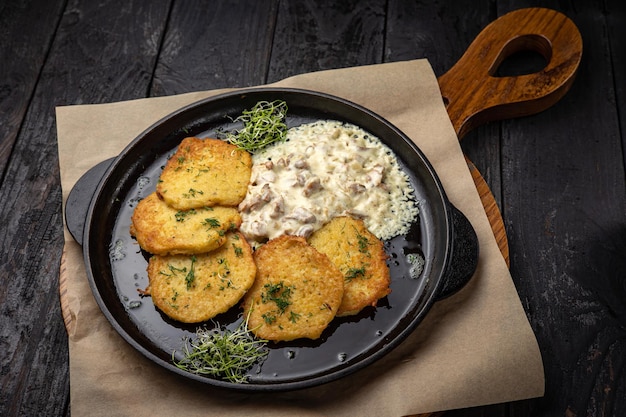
268,318
279,294
211,222
192,193
191,275
293,317
182,214
363,243
353,273
238,251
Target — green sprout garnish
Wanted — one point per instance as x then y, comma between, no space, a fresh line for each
263,125
223,353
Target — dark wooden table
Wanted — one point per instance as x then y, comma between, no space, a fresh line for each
558,177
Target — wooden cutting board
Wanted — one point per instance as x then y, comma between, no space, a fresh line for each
474,95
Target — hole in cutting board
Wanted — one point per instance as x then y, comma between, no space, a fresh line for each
521,63
522,55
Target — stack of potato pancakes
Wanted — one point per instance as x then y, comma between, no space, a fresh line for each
201,265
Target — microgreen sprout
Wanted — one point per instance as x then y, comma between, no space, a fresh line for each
263,125
223,353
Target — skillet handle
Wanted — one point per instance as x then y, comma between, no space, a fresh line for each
464,256
79,198
473,95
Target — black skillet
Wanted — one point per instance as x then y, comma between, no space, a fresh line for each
116,267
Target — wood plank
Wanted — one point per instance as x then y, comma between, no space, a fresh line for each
215,44
564,199
27,28
317,35
616,31
101,52
433,30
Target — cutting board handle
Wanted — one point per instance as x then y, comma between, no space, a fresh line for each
474,95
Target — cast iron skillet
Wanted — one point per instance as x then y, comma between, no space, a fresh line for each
116,267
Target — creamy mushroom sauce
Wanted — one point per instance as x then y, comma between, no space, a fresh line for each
323,170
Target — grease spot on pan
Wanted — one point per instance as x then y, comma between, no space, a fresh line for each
117,250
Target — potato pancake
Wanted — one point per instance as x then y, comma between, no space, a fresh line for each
296,292
195,288
360,257
205,172
163,230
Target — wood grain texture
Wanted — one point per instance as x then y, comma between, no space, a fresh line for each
558,170
616,41
33,365
96,56
318,35
23,53
433,30
578,229
106,51
215,44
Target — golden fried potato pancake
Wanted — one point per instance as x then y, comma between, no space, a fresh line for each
361,258
163,230
205,172
296,292
195,288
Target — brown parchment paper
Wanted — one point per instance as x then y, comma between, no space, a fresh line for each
473,348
